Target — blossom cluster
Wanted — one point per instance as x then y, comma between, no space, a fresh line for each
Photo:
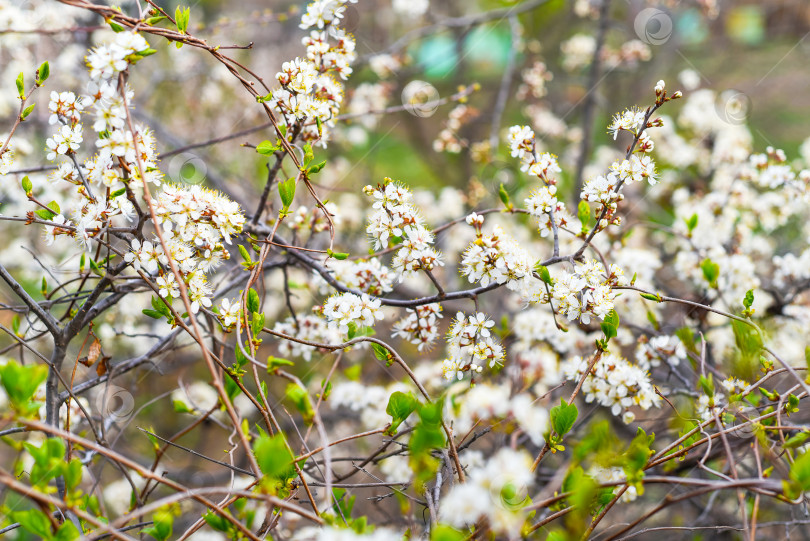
346,309
495,402
587,291
395,218
309,328
542,203
368,275
494,491
420,327
310,87
471,346
497,258
194,221
449,139
613,382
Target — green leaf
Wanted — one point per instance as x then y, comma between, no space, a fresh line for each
583,491
257,323
274,363
154,314
797,440
610,325
800,472
161,528
43,73
563,417
381,353
273,457
152,21
33,521
67,531
245,255
300,399
45,214
266,148
216,522
337,255
27,186
584,213
687,337
427,436
72,472
749,299
691,223
747,339
400,406
48,460
504,195
21,85
15,324
181,407
308,155
636,457
161,307
707,384
253,300
21,382
316,168
443,532
27,111
181,17
545,275
711,271
286,190
651,297
792,405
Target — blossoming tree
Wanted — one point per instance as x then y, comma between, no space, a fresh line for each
383,362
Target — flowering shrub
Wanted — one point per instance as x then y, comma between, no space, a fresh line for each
609,335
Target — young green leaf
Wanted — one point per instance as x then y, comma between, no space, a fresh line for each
316,168
273,457
300,399
274,363
691,222
27,111
584,213
563,417
253,300
711,271
749,299
21,383
20,85
43,73
504,195
400,406
286,190
381,353
337,255
543,272
266,148
181,17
